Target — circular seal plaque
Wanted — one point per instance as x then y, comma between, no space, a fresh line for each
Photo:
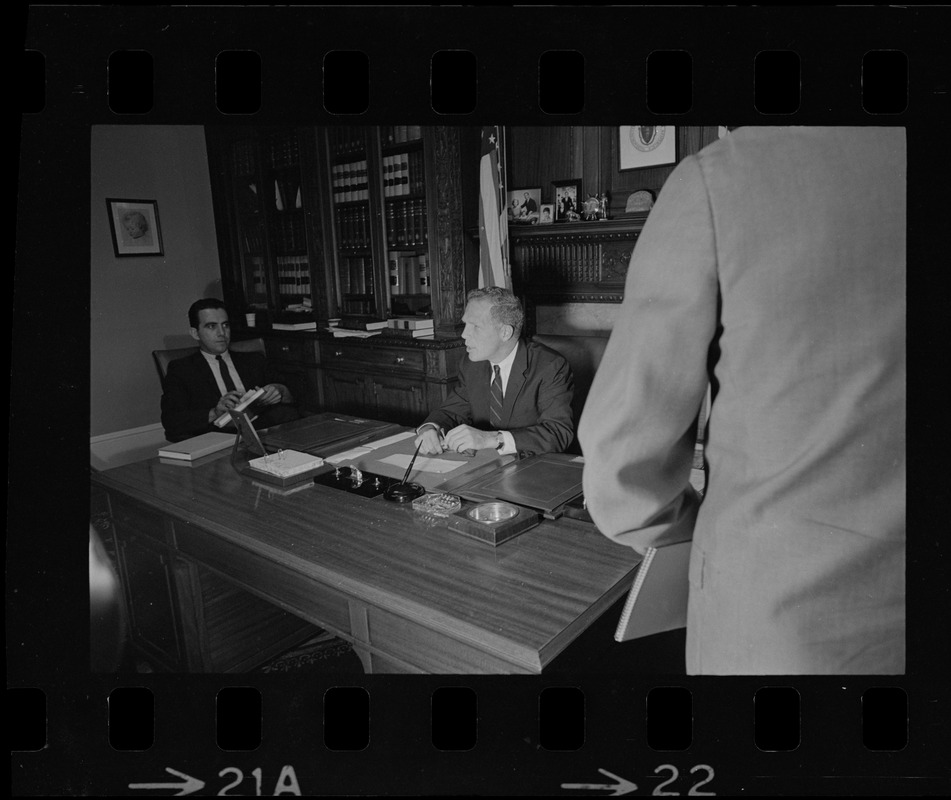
647,137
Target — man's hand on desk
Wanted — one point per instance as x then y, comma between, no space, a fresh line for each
429,441
465,437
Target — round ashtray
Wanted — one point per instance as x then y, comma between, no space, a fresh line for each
488,513
404,492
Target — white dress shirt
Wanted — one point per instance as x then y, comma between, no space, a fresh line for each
213,366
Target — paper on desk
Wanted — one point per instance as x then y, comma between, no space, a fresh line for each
347,455
423,463
398,437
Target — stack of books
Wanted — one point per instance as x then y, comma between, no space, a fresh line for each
411,327
310,325
356,322
197,447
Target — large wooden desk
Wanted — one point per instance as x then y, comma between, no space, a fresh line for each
412,596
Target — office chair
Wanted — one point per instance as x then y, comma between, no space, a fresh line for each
163,358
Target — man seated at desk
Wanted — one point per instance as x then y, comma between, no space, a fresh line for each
201,387
513,395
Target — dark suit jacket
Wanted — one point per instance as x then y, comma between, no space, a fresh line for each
536,407
191,390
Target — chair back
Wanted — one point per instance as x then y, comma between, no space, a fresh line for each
583,354
163,358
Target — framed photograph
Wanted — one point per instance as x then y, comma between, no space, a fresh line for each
546,214
567,197
642,146
135,227
522,205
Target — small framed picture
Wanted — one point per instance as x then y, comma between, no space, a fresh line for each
642,146
567,197
546,214
522,205
135,227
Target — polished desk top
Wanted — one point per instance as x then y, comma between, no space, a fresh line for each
522,601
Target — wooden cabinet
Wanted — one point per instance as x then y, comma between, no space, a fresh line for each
392,381
182,616
292,358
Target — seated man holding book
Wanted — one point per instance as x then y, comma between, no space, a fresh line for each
513,395
201,387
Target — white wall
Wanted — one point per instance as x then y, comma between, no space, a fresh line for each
139,304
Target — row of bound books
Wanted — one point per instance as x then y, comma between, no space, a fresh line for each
403,174
406,223
282,149
356,275
397,134
346,139
353,228
349,182
293,275
409,273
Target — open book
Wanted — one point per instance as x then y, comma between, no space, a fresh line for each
246,399
657,601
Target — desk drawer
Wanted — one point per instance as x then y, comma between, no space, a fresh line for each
288,349
278,584
132,518
403,359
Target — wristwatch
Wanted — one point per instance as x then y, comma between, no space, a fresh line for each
500,441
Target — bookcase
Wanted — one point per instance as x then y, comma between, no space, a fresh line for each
318,223
397,222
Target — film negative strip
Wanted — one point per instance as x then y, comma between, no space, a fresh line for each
115,103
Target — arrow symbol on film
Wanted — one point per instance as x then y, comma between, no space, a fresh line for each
188,787
623,786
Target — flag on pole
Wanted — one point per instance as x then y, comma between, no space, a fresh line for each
493,222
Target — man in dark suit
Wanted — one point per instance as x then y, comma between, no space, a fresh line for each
201,387
514,396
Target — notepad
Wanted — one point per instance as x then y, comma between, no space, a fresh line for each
657,600
197,446
286,463
348,455
246,399
438,466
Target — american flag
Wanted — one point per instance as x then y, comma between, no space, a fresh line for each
493,222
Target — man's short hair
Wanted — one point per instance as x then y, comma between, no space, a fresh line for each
201,305
506,307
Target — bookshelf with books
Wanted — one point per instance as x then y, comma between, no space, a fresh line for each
322,223
267,197
354,235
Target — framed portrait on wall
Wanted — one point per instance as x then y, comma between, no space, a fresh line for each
646,146
135,227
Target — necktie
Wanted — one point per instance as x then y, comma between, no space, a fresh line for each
495,402
225,374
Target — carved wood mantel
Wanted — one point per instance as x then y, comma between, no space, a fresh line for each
574,261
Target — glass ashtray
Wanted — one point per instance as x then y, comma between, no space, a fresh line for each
488,513
439,505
